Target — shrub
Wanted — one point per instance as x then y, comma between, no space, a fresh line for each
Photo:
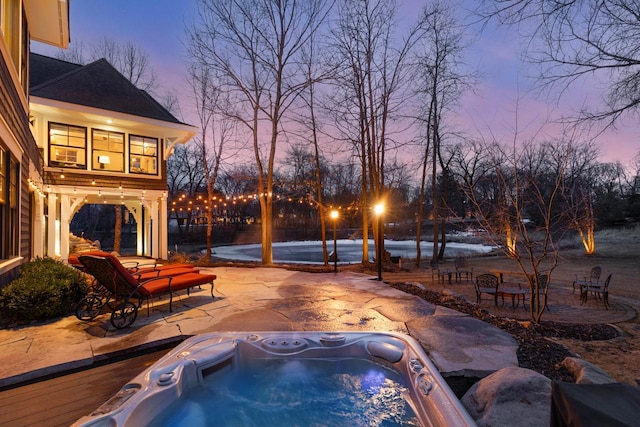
45,289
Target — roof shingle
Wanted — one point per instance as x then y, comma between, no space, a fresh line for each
97,85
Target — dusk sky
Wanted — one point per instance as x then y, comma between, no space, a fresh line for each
158,27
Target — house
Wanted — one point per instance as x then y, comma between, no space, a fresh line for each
46,21
102,141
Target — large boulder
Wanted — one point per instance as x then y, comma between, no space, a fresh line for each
510,397
461,346
586,372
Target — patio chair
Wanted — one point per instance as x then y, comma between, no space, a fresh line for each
434,265
592,280
543,285
122,286
462,267
600,292
487,284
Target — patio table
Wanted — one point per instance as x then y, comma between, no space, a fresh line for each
515,291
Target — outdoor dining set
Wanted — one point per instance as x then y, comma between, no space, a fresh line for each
591,284
499,284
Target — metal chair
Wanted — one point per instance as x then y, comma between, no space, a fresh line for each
600,292
462,267
593,279
486,284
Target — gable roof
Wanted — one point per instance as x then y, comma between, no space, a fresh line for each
97,85
43,68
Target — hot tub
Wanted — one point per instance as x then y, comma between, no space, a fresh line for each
287,378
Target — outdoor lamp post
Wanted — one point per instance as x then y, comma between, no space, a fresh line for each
334,216
378,210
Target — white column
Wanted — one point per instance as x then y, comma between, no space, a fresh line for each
137,215
37,233
163,231
52,228
65,220
153,234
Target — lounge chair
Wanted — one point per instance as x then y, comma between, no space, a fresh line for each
122,286
487,284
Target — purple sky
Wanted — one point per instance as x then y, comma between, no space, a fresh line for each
158,27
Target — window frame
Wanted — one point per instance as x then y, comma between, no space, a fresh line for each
144,139
9,205
56,163
95,165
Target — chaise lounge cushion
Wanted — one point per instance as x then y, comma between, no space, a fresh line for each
74,260
146,275
175,283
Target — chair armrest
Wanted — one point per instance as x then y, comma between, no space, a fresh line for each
168,278
130,265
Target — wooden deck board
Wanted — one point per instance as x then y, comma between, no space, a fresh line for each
63,400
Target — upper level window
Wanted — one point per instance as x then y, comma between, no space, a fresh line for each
107,151
143,155
13,22
67,146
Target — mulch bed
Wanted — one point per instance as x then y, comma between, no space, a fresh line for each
537,351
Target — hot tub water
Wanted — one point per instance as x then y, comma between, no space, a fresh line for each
296,393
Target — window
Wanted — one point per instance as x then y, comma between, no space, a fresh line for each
13,243
3,177
9,174
67,146
143,155
11,20
107,151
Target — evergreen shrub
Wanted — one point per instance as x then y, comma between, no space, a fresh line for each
45,289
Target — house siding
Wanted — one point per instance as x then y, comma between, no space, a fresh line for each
17,124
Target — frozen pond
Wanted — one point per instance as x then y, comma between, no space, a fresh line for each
349,251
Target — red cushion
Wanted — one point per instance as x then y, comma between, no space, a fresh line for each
183,281
73,258
163,273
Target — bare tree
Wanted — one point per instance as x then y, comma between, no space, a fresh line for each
524,184
572,40
185,178
74,54
311,129
578,192
442,81
370,89
253,48
215,130
130,59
